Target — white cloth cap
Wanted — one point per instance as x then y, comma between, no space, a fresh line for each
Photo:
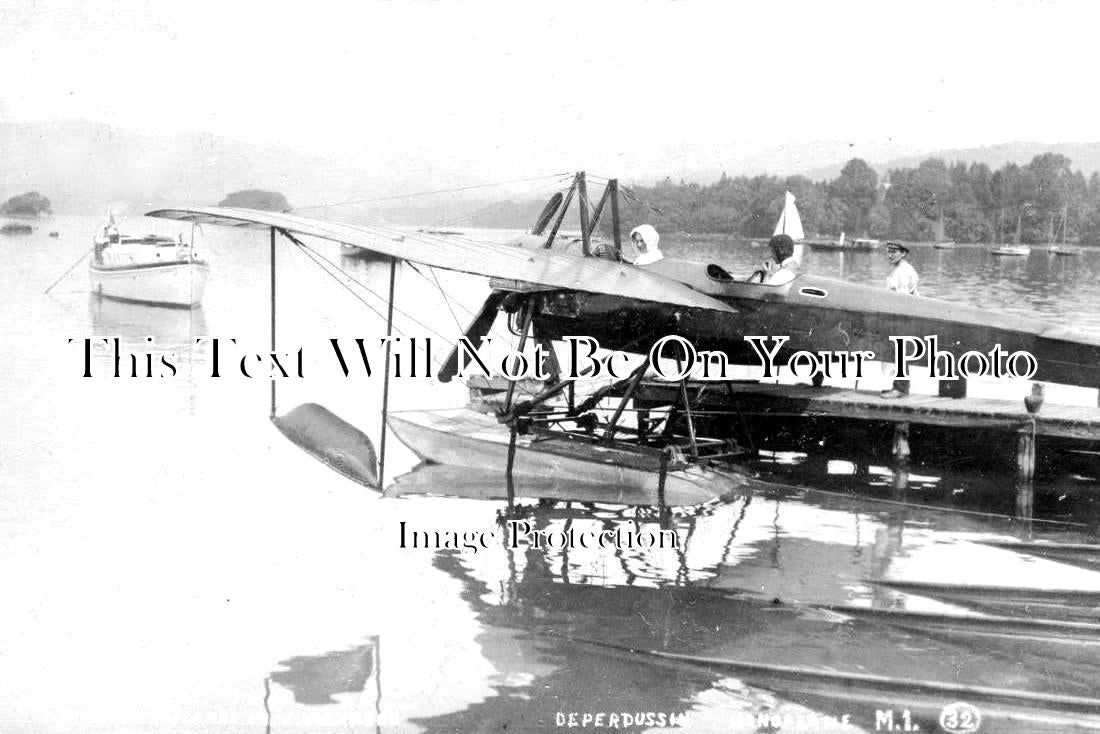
648,235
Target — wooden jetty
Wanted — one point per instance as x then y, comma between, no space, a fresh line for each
750,398
1061,421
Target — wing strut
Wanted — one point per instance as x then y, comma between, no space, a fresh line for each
386,379
273,317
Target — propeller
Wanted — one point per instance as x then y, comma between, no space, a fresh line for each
477,329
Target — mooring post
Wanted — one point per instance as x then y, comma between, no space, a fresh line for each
386,379
901,443
1025,455
901,481
272,317
952,388
1025,499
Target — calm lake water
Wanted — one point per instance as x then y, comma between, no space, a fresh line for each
171,563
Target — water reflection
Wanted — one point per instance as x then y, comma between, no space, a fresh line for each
171,328
973,470
315,679
744,614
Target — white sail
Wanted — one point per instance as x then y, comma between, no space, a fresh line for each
789,222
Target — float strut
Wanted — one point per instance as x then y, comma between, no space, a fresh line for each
508,470
528,314
634,380
662,508
690,422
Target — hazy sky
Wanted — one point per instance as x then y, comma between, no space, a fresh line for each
481,81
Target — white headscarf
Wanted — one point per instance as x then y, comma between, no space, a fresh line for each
649,252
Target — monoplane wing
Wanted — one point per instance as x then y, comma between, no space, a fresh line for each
546,268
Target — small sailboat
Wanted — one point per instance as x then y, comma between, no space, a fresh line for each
790,223
942,243
1061,250
1014,250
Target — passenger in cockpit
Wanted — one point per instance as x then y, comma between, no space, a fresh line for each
645,240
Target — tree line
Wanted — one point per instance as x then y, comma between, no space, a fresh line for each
1042,201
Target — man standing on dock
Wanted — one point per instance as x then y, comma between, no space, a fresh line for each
903,279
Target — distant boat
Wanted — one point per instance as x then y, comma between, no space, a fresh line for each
150,269
1061,250
55,233
864,243
840,243
941,242
1016,250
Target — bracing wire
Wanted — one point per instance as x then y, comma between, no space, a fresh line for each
318,258
422,193
557,183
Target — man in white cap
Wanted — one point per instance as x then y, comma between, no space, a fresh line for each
902,279
645,240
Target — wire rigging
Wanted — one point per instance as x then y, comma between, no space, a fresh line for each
421,193
318,259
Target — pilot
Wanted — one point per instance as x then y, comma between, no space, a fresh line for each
784,268
645,240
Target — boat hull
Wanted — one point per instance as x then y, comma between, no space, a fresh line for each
467,439
180,284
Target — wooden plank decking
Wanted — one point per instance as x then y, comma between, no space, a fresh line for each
1064,421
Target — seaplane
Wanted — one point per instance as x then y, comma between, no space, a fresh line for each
552,289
